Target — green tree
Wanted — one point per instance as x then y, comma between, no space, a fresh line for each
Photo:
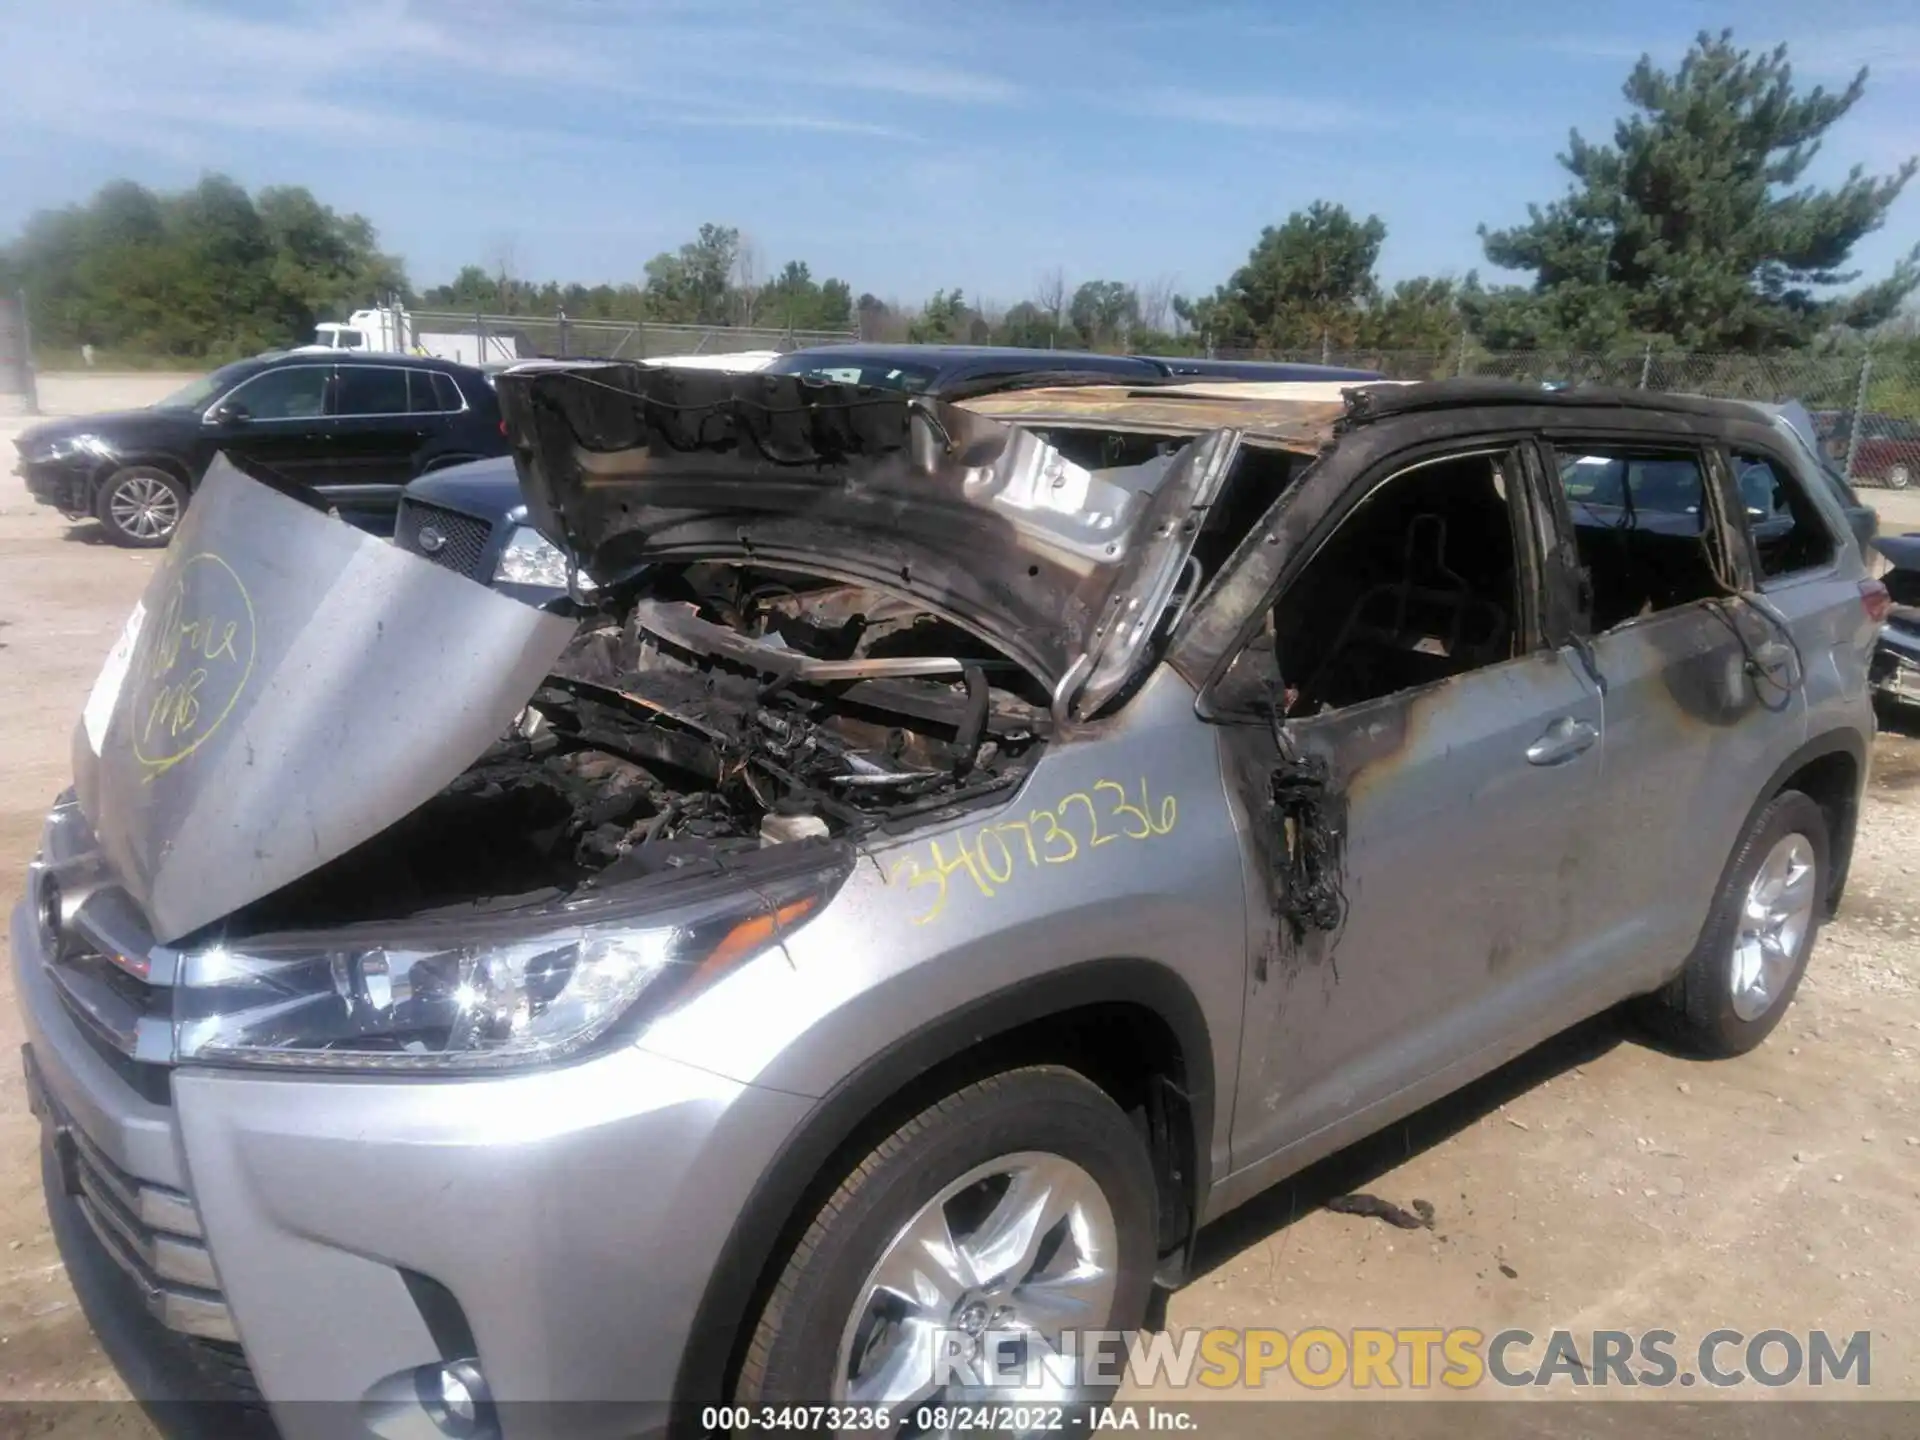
206,274
1418,314
946,319
1692,224
793,300
1307,282
694,284
1027,325
1104,312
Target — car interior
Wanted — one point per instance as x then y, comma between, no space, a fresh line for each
1640,523
1416,585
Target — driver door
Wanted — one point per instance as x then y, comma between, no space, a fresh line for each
275,426
1411,805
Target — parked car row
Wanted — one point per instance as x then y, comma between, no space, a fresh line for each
964,846
346,433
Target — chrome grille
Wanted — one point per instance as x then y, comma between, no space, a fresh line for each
110,976
151,1232
100,958
462,539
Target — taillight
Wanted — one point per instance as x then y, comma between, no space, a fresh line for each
503,427
1875,600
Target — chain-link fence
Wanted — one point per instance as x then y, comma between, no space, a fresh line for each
1882,387
496,338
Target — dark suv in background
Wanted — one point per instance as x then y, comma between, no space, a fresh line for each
472,520
347,434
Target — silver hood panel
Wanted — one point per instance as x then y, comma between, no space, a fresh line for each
287,687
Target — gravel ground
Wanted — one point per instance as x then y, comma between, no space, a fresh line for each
1595,1183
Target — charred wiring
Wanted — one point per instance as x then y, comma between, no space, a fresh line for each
1310,815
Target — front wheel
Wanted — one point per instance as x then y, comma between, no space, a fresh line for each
1747,965
141,506
1899,477
986,1234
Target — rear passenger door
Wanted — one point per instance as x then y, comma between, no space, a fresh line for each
1798,525
376,434
1703,691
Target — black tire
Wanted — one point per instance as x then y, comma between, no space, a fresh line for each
1696,1011
141,506
796,1344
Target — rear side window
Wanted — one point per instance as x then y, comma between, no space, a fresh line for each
371,390
432,393
1788,533
1640,520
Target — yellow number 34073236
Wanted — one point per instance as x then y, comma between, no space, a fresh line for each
998,851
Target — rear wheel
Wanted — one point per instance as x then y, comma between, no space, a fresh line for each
1745,969
1900,476
1014,1210
141,506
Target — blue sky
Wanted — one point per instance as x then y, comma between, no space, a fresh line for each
902,147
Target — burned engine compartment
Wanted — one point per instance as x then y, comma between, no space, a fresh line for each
721,709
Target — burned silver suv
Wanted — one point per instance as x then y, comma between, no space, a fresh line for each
961,849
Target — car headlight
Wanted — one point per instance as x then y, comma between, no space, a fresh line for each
526,995
68,446
529,558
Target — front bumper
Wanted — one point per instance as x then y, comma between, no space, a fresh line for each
559,1227
1895,668
67,485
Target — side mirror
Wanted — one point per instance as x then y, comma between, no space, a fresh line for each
230,413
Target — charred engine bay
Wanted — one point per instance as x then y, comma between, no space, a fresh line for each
724,710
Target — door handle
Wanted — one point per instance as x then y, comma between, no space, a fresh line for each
1564,739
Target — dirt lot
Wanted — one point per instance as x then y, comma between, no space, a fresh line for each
1594,1184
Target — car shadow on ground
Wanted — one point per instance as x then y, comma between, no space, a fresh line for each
87,532
1362,1163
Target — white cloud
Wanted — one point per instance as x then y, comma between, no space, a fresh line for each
172,76
1250,112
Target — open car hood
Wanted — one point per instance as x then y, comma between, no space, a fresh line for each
287,687
1063,568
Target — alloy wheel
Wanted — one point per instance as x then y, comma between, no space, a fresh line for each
994,1269
144,506
1774,920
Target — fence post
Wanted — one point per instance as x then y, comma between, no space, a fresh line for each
29,385
1859,407
562,315
1646,364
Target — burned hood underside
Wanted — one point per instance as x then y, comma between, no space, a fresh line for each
978,520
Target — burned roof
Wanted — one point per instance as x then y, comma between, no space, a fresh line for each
1294,415
1307,416
1377,402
